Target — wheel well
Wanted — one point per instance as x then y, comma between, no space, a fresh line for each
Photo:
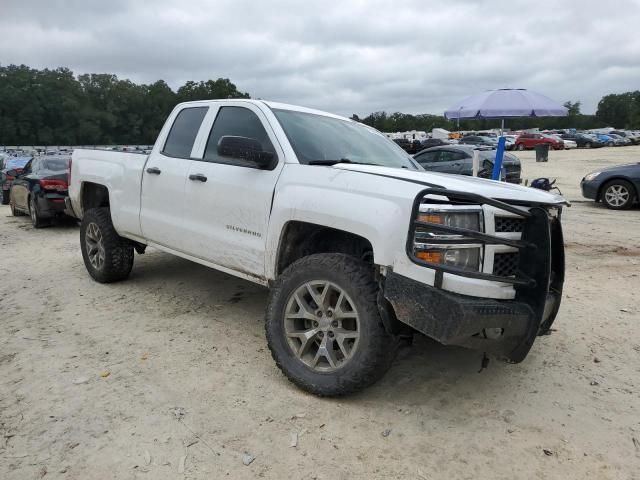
301,239
601,188
94,195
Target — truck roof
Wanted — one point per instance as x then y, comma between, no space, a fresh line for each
270,104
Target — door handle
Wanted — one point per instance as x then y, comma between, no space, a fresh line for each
154,170
198,177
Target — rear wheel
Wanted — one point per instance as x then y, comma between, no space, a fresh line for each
520,146
587,145
5,197
36,219
107,256
323,326
618,194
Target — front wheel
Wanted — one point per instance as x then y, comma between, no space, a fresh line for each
323,326
107,256
618,194
5,197
520,147
587,145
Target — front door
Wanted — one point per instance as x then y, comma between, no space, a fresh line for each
228,200
164,177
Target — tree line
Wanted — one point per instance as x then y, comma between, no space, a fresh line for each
55,107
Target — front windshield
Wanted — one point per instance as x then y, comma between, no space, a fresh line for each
324,140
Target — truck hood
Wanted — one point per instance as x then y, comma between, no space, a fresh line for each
488,188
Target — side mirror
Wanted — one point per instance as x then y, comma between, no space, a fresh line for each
12,173
245,148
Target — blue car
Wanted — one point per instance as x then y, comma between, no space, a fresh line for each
606,139
618,187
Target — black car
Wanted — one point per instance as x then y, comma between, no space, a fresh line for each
478,140
618,187
458,159
582,140
409,146
433,142
40,189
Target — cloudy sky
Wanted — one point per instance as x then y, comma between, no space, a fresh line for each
350,56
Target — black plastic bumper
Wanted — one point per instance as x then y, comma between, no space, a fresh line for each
504,328
454,319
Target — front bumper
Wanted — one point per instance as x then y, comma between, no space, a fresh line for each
504,328
589,189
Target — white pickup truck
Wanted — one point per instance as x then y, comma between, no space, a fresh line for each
358,245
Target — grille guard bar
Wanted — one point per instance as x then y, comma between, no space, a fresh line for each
522,245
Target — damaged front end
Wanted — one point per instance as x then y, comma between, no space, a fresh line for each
518,245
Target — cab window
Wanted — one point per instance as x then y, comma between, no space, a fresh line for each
183,132
237,122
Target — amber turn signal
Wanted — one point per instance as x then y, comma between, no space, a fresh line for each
430,256
431,218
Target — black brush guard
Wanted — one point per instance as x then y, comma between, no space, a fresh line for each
472,322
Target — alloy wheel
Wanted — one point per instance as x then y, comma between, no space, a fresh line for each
321,325
617,195
95,246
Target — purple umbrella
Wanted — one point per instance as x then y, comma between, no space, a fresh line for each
504,103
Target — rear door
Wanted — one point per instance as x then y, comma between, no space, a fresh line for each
165,176
451,161
228,200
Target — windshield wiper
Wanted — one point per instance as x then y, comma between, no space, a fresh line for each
334,162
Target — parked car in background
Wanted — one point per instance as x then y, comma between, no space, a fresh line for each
409,146
619,141
617,187
634,139
606,139
15,164
434,142
510,142
583,140
527,141
568,144
458,159
478,140
40,189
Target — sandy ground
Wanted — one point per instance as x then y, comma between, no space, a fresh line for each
167,375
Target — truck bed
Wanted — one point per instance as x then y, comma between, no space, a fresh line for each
121,173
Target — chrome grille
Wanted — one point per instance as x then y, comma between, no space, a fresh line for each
506,264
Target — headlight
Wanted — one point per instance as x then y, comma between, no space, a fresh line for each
591,176
434,246
451,218
465,257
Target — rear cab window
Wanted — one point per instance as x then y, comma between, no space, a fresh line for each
183,132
